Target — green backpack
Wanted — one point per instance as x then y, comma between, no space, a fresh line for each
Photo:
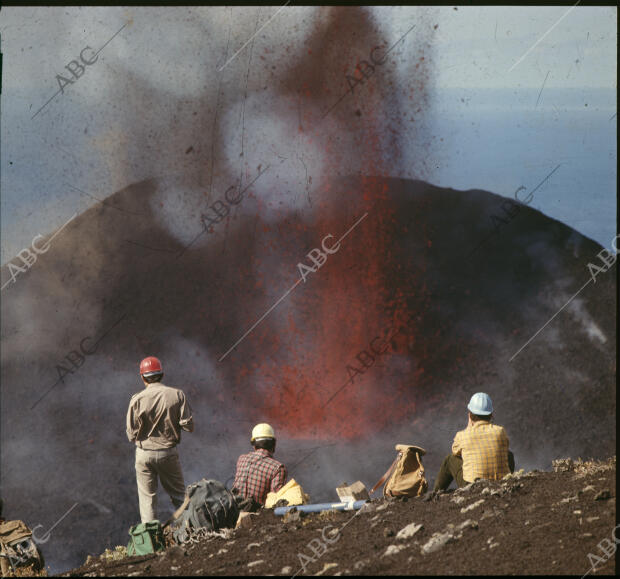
146,538
208,505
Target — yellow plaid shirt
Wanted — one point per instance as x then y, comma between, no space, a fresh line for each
484,449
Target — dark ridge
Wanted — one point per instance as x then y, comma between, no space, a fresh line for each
455,318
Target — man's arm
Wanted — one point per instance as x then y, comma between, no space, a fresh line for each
237,473
277,482
505,439
186,420
457,445
132,424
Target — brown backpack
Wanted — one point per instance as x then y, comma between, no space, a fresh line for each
14,531
17,548
405,477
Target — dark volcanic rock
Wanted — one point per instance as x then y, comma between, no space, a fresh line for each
557,538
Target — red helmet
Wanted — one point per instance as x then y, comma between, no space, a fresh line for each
150,365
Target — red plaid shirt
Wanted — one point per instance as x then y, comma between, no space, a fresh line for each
258,474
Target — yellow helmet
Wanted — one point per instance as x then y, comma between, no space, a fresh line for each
262,430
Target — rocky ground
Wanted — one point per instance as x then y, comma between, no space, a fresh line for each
529,523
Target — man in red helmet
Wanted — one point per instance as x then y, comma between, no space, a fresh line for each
154,421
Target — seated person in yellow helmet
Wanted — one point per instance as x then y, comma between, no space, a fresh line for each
258,473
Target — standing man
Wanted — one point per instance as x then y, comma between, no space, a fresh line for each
154,421
258,473
479,451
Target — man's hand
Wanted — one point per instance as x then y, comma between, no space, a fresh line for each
187,425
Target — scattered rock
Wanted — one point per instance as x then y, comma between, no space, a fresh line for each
568,500
327,515
225,533
368,507
593,466
393,549
359,564
563,465
464,489
326,567
245,520
468,524
494,512
291,516
534,507
472,506
437,541
602,495
457,530
491,544
512,487
409,531
413,539
355,492
252,545
222,551
542,525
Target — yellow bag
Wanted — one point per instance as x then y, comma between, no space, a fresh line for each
291,492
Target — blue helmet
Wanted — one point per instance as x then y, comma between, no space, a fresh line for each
480,404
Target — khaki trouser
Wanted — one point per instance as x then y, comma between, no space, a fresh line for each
149,465
452,469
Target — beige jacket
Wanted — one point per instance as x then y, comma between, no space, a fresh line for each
156,416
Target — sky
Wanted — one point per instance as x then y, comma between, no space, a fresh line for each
543,63
488,47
